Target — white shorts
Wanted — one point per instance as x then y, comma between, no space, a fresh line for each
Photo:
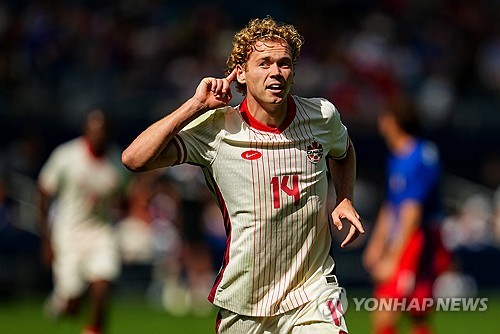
321,315
86,255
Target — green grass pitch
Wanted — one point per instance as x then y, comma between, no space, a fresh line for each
133,316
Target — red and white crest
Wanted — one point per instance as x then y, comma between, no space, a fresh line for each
314,151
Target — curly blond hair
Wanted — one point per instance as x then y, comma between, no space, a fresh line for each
262,30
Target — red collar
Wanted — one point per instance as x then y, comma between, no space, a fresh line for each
254,123
91,150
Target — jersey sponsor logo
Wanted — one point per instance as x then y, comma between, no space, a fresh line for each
251,155
314,151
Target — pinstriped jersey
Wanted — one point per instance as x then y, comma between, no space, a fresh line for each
271,186
83,183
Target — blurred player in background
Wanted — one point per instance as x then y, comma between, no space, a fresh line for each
266,162
402,253
77,187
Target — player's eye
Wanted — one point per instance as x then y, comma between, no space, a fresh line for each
285,63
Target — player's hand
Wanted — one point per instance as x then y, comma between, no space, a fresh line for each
384,270
213,92
372,254
345,211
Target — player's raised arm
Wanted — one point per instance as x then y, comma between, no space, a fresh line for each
151,149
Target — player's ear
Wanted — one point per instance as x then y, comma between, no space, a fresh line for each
240,74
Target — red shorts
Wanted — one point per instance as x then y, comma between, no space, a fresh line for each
421,260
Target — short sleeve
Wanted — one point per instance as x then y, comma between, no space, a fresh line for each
197,143
339,135
50,175
423,183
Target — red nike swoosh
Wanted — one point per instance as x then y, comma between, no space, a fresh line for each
251,155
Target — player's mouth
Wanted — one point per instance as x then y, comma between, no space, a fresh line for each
275,88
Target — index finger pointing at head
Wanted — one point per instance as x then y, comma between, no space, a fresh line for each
231,75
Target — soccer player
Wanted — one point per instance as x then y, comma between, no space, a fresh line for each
265,161
401,253
79,180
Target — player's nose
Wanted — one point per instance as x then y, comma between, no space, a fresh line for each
274,69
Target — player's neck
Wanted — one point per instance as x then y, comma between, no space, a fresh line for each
272,115
403,144
93,152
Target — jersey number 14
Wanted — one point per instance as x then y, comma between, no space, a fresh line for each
279,186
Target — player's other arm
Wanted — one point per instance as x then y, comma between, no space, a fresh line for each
410,219
152,148
377,243
43,204
343,174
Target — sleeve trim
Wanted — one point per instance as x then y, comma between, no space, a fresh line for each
343,155
180,146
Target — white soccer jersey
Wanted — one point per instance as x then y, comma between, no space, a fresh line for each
83,184
271,186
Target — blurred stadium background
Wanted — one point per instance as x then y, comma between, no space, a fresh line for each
140,60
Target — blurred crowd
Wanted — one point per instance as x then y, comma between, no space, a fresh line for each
139,60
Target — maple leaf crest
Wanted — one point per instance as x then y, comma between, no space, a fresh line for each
314,151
